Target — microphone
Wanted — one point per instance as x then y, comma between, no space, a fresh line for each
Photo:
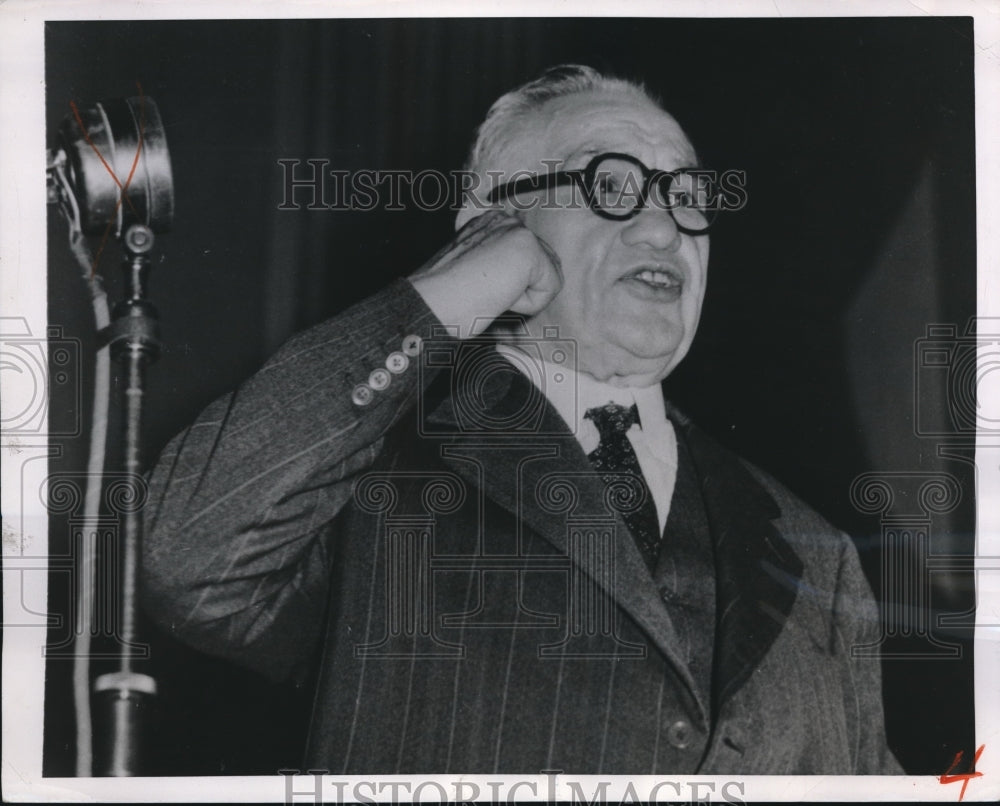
112,165
110,172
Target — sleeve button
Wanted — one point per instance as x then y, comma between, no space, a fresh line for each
679,734
362,395
379,379
412,345
397,362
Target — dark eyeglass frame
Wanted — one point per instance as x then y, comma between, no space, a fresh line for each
585,179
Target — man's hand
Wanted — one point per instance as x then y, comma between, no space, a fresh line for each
494,264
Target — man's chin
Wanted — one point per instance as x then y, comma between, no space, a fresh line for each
624,367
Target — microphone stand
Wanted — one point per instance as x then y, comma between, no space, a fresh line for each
123,696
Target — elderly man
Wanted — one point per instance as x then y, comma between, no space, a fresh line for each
464,508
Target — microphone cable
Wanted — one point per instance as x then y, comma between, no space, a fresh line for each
97,451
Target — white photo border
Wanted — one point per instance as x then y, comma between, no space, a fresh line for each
23,295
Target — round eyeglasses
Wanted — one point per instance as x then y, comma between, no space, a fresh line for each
619,187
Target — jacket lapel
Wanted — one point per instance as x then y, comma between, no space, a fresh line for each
757,572
518,445
526,473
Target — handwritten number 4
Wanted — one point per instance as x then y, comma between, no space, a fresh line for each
964,777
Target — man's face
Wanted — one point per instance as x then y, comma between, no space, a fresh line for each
632,289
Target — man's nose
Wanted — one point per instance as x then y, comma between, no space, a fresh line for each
654,227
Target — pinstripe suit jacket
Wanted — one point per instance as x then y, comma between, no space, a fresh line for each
446,555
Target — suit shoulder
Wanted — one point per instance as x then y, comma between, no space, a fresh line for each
814,539
811,534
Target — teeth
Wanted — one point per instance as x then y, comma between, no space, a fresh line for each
655,277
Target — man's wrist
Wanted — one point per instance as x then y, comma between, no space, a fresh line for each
457,302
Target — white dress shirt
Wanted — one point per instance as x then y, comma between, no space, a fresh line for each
572,393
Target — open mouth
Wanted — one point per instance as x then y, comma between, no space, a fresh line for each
662,283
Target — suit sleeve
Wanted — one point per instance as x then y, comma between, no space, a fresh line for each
238,519
856,624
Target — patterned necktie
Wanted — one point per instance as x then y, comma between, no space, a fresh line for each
615,456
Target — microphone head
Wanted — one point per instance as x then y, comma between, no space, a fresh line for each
118,165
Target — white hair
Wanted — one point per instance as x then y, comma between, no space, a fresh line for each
510,112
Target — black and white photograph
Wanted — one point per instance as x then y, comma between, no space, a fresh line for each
410,406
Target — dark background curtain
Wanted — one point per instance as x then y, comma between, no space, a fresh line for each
857,136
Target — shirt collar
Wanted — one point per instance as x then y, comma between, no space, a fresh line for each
572,393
